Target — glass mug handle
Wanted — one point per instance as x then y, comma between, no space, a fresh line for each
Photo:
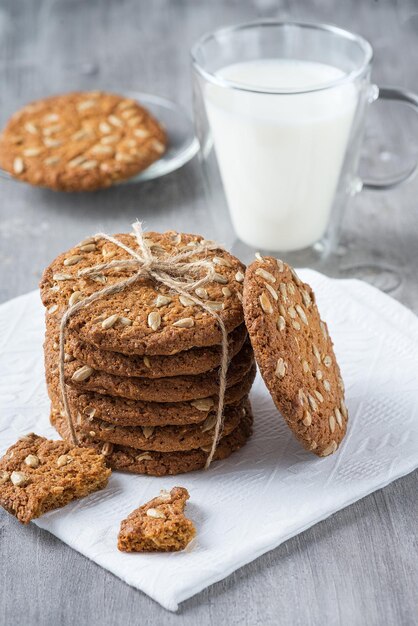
397,95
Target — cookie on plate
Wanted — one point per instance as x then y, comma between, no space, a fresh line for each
295,354
38,475
80,141
158,526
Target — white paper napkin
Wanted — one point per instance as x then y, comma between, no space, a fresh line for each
270,490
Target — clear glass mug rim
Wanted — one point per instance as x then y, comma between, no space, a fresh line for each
326,28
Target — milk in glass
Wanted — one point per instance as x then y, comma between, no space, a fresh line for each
280,155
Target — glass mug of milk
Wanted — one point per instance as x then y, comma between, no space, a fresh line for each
279,113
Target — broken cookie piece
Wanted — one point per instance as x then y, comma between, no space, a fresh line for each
38,475
159,525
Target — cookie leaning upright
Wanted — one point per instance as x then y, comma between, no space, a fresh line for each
295,354
80,141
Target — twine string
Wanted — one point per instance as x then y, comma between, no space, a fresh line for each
179,273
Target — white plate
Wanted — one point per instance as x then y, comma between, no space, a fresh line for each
182,143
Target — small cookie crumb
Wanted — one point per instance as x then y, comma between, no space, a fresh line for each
158,526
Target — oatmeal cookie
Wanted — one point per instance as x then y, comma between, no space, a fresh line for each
161,438
38,475
185,363
80,141
295,354
146,318
124,412
170,389
127,459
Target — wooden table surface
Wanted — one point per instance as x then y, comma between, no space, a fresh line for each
359,566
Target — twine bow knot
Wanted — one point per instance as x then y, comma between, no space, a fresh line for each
181,274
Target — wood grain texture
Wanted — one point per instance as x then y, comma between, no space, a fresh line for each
359,566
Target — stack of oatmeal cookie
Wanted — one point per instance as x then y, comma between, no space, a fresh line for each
142,365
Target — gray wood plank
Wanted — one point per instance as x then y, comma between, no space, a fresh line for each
359,566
